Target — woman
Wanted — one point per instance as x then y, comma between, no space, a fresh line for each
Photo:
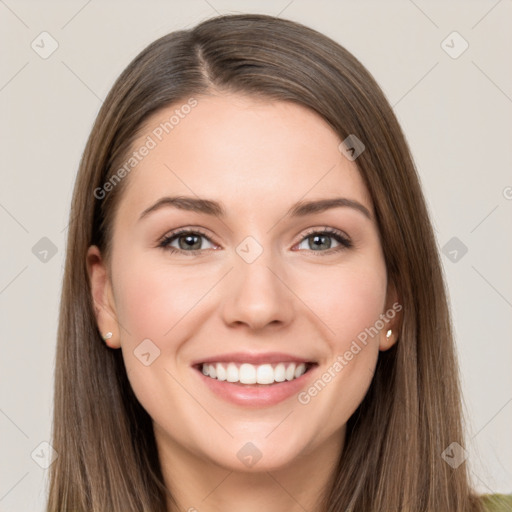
253,313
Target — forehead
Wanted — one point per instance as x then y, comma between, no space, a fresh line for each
242,151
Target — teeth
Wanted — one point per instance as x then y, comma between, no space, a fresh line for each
247,374
254,374
221,372
231,372
301,369
280,373
264,374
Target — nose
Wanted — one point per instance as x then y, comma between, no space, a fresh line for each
257,295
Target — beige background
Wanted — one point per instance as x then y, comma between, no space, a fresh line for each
456,113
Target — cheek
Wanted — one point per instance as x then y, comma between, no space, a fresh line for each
350,305
152,303
349,300
152,298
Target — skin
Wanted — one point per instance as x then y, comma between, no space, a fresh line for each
257,158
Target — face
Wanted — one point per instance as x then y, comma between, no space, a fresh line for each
265,289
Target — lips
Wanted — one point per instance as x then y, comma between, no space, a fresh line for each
254,358
255,380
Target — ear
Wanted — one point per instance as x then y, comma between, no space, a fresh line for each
102,296
392,319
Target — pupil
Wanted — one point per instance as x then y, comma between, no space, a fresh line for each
190,242
319,237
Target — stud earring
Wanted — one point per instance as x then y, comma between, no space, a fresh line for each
388,334
107,336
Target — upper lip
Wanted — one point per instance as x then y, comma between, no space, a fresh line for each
252,358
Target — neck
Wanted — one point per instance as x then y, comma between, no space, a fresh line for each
200,485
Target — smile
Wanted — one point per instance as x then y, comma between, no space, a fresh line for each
252,379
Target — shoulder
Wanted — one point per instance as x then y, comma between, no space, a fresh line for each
497,502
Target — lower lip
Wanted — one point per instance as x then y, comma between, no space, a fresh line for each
256,395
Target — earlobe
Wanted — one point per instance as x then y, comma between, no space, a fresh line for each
102,297
393,318
388,339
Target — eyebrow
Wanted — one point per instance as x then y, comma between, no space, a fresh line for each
214,208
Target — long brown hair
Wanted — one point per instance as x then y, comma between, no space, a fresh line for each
107,456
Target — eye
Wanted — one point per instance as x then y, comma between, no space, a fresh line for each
191,241
187,241
321,241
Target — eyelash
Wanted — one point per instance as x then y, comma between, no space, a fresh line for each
344,242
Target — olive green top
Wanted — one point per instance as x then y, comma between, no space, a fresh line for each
497,502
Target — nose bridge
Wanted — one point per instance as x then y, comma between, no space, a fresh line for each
256,295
